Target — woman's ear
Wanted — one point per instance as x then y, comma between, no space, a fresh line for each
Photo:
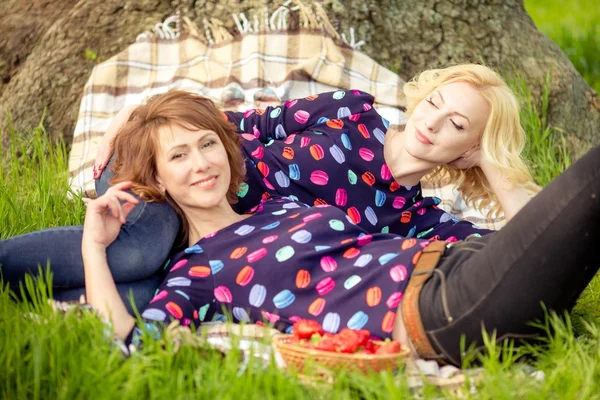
160,185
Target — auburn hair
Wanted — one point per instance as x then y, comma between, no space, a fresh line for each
137,144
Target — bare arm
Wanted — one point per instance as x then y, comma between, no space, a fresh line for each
103,221
105,149
511,197
102,292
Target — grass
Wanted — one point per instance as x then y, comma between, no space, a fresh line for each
34,189
575,27
546,147
53,356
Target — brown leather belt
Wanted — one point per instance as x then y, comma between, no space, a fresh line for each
410,301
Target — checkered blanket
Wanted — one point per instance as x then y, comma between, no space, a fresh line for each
213,63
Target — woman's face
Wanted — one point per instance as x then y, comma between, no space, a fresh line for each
193,167
446,123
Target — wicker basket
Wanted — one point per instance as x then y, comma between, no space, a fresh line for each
297,356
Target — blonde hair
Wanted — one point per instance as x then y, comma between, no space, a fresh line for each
502,141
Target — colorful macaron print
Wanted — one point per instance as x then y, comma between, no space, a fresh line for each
330,147
313,263
317,246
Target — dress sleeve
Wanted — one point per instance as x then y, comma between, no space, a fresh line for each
298,115
435,223
185,295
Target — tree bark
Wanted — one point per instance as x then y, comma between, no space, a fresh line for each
43,45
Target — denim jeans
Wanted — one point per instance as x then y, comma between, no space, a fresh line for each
134,257
546,254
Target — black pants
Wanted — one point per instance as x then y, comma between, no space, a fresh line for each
547,253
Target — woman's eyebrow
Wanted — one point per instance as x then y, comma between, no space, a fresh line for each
455,112
176,147
201,138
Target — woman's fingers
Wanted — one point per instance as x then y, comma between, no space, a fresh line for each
116,195
115,208
126,209
125,196
120,186
123,185
102,158
100,162
112,199
105,150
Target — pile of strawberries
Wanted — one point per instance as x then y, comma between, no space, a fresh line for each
309,334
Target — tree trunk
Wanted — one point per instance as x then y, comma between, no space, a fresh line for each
43,45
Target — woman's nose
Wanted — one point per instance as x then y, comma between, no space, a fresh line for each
200,162
432,123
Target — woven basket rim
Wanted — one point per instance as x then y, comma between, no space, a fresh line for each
280,341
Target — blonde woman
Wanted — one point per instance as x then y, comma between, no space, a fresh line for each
492,170
333,149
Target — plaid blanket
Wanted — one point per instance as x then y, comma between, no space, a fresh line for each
292,64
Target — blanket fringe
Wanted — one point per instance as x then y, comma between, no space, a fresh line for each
215,31
169,29
312,16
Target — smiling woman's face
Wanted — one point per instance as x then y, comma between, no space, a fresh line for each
446,123
193,167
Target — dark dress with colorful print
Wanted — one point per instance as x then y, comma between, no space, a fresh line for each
285,262
334,262
328,149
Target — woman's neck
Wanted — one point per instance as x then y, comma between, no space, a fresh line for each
205,221
406,169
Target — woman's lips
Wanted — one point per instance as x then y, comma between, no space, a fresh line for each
422,138
206,183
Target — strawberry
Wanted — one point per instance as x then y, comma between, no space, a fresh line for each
350,334
347,340
370,347
305,328
391,347
363,337
326,344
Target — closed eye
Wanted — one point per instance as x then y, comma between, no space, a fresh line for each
431,102
458,127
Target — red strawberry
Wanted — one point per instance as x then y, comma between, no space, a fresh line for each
363,337
305,328
326,344
392,347
348,340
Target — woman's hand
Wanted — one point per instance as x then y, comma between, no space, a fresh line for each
470,158
103,220
105,150
106,214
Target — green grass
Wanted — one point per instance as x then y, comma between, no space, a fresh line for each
546,148
54,356
34,185
575,27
